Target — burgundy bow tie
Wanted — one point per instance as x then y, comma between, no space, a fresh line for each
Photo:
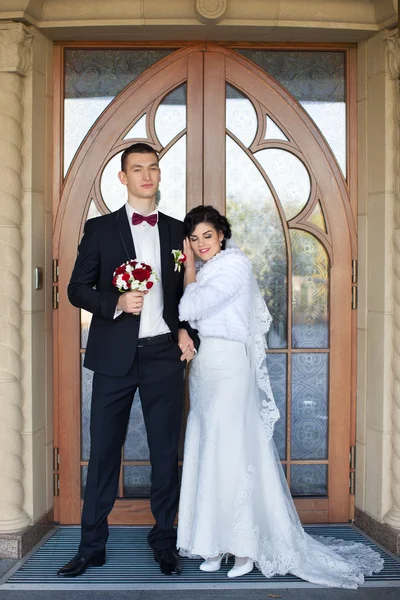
137,219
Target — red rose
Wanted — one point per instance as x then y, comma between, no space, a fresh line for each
182,258
114,281
139,275
148,273
120,270
126,277
149,285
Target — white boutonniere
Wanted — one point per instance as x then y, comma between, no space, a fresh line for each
179,259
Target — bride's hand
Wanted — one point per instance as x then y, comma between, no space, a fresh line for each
187,249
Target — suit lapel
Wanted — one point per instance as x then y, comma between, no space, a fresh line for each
165,246
125,233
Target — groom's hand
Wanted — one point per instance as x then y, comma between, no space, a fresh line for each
131,302
186,345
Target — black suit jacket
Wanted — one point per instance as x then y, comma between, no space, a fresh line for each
106,244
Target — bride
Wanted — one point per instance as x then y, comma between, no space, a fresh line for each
234,496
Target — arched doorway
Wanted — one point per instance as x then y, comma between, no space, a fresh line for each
235,139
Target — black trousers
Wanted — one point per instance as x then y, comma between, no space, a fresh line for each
159,374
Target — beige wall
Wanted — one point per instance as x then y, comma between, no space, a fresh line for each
269,20
36,304
376,97
25,241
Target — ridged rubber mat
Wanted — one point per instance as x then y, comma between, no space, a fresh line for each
130,565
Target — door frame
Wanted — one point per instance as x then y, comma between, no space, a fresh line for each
140,508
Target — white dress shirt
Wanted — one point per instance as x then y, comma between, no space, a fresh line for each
146,240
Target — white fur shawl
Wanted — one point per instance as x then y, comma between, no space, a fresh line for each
217,304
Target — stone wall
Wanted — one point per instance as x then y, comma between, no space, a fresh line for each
378,394
25,241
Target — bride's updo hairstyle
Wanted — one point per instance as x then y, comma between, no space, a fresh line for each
207,214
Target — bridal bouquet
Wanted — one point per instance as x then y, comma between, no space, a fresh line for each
133,276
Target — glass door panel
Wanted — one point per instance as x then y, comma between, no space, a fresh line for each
258,231
264,191
93,78
317,80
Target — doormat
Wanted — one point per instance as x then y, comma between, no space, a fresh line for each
131,566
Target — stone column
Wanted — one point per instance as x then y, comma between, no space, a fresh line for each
15,52
392,518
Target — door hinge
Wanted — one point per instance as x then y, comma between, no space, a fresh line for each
56,459
55,270
352,474
352,483
352,457
354,297
354,271
56,484
55,297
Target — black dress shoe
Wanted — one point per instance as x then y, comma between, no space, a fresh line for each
169,561
80,563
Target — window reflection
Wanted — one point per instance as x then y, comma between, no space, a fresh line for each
273,132
138,130
170,117
289,178
317,217
309,480
241,118
310,291
92,80
309,418
172,196
257,229
317,81
112,191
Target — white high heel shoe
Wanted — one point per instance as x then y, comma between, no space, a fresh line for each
213,564
243,569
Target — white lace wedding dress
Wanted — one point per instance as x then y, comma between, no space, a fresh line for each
234,496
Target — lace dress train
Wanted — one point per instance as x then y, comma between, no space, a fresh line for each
234,496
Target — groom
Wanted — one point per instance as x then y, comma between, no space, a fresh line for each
134,342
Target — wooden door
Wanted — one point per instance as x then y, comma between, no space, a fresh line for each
282,190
